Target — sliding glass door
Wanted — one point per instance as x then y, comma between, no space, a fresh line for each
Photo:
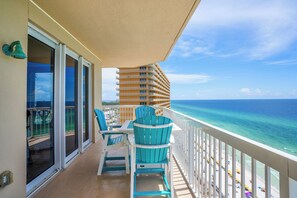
42,134
71,107
40,108
86,103
58,107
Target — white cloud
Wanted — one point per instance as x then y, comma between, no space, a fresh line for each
190,47
246,91
251,92
268,26
109,84
188,78
283,62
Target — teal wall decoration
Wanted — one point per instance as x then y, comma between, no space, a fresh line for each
14,49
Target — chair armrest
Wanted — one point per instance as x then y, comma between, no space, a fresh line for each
131,139
132,143
151,146
172,140
112,133
114,127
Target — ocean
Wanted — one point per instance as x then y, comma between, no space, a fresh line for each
272,122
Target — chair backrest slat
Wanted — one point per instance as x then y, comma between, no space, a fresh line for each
101,119
143,111
152,136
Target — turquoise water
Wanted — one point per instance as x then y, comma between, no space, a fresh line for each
271,122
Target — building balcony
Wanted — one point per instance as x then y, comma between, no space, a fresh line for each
210,162
131,88
137,70
132,94
81,181
216,162
135,76
132,82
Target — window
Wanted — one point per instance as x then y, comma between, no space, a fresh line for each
40,108
86,101
142,85
71,105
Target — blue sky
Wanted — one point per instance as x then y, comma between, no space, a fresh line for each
232,49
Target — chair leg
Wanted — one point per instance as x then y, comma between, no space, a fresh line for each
127,160
132,173
101,163
166,170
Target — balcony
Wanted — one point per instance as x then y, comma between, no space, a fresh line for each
136,82
80,180
216,162
135,76
210,162
137,70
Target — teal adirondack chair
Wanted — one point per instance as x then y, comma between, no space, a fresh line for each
111,140
143,111
151,146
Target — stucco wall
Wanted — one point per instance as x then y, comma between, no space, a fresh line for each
14,17
13,26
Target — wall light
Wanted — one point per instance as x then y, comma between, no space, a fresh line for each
14,49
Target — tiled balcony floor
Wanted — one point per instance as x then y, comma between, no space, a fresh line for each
80,180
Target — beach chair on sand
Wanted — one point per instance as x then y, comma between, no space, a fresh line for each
143,111
151,153
111,140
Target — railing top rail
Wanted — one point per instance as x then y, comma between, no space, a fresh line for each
283,162
118,106
127,106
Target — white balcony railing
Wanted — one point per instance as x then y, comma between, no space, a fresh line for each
218,163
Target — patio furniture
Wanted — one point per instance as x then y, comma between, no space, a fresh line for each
143,111
111,140
152,145
127,127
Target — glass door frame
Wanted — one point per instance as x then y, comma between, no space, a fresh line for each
66,160
61,161
46,39
84,63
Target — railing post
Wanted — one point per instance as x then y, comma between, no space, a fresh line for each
226,171
254,178
267,182
242,170
133,113
191,154
284,186
233,172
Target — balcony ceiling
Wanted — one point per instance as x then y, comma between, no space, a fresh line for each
123,33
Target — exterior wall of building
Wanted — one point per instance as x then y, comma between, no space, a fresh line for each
144,85
14,17
14,25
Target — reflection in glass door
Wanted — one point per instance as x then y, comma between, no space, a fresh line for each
85,93
40,108
71,110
